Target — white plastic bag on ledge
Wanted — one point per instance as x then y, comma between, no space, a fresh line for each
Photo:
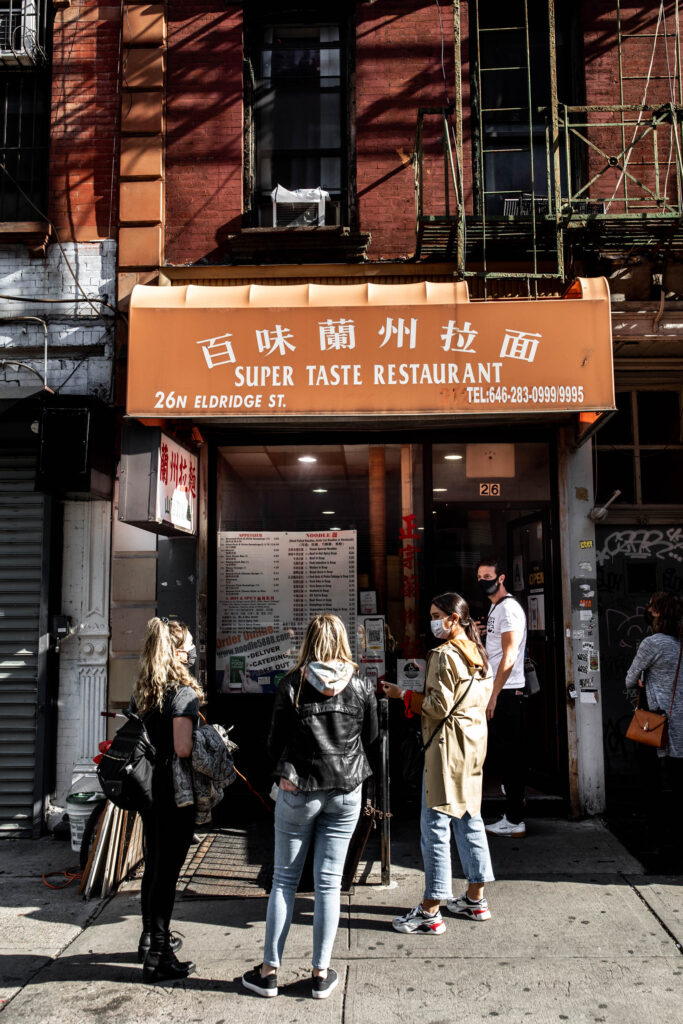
299,195
306,204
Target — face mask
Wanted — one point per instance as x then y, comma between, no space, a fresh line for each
438,629
489,587
191,657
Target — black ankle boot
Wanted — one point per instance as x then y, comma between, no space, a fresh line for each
164,966
145,944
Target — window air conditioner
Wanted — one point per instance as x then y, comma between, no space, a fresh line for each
18,32
299,207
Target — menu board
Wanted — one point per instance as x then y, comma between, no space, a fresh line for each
269,587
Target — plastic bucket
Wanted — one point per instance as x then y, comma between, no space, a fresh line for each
79,808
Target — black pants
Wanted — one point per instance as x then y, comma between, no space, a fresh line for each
506,751
168,833
661,794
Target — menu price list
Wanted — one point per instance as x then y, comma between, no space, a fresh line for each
269,586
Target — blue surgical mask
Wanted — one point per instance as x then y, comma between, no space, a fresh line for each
439,629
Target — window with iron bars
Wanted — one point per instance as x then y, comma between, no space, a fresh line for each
24,109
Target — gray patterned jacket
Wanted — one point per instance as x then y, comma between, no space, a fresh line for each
202,778
655,663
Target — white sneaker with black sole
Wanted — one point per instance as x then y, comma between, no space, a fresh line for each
417,920
261,986
322,987
463,906
507,829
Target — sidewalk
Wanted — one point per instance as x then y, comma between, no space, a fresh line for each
578,934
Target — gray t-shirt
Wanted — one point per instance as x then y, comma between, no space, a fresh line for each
505,616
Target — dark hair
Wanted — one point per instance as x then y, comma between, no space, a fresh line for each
669,610
497,564
453,604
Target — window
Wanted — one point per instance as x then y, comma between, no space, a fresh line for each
510,82
24,108
639,451
298,117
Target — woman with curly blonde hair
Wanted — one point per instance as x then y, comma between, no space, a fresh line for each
167,698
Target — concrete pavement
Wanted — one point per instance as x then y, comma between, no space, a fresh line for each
578,933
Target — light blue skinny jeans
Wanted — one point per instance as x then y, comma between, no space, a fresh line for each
328,817
435,842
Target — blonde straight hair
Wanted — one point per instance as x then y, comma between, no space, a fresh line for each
326,639
160,669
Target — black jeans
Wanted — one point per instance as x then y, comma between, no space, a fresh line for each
506,751
661,792
168,833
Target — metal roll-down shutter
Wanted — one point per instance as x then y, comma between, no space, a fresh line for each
22,514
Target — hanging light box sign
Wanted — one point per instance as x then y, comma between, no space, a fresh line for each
158,482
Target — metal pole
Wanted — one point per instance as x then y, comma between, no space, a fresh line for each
385,838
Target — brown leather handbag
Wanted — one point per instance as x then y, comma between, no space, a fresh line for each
652,727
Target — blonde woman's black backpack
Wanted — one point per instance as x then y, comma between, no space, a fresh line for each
126,769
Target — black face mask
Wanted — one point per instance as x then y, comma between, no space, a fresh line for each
649,617
489,587
191,657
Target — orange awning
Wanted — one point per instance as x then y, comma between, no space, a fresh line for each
359,350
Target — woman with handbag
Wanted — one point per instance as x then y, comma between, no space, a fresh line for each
655,674
167,697
324,721
453,710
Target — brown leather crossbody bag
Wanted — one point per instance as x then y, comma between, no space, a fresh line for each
652,727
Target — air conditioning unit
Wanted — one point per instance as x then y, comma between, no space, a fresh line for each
19,32
299,207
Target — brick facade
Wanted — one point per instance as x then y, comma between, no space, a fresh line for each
85,118
204,127
398,69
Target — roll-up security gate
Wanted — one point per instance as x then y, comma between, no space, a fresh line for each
22,614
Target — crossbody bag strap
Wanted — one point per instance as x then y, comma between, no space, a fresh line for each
678,667
444,720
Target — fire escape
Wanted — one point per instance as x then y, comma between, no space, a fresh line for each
557,187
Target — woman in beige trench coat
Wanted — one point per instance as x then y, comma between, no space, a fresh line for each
453,710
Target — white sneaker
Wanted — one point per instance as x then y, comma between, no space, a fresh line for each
463,906
507,828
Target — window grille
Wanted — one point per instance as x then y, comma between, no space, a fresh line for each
22,32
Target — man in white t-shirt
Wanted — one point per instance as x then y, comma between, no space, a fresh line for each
505,646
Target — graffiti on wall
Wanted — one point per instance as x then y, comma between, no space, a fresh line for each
642,543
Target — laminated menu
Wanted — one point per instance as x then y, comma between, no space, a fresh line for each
269,585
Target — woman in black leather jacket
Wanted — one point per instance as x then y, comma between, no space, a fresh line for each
324,721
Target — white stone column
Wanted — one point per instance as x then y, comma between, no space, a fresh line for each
83,658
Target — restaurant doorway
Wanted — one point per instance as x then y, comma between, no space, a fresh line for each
370,531
496,500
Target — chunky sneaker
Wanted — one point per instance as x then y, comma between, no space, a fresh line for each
416,920
323,986
261,986
463,906
506,828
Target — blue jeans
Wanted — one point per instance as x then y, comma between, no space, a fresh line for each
435,841
328,817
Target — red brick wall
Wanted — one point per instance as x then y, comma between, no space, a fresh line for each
398,69
84,147
204,127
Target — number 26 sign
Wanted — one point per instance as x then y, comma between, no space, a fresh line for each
489,490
